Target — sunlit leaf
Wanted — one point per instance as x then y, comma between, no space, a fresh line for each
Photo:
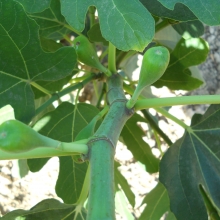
190,29
128,26
187,53
51,21
121,205
23,62
167,37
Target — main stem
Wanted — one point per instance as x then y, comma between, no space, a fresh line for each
101,154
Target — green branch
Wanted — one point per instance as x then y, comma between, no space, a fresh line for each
41,88
160,110
101,153
184,100
65,91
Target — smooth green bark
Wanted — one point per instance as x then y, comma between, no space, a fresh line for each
101,195
101,153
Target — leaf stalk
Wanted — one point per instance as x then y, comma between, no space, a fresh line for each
112,58
172,101
65,91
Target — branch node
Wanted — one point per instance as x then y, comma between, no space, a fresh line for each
94,139
130,111
118,100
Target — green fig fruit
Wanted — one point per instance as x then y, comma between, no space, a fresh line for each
154,64
87,54
16,137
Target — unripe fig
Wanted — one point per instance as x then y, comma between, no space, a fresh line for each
16,137
87,54
154,64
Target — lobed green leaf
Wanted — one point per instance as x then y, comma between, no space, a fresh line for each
190,29
179,13
127,26
187,53
52,23
205,11
194,161
24,62
46,209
